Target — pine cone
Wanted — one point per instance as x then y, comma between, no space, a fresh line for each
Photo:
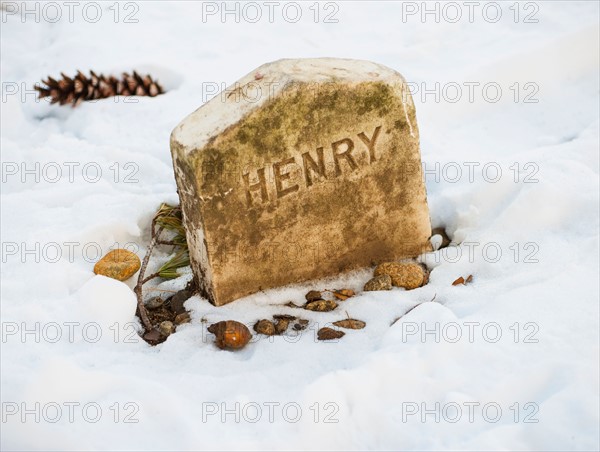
80,88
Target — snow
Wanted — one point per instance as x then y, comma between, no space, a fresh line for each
544,367
105,301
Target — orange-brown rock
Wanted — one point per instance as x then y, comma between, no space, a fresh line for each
118,264
409,275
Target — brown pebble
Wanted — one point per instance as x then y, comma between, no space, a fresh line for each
153,337
154,303
381,282
177,300
182,318
300,325
313,295
166,328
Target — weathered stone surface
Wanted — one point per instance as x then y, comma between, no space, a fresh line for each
301,170
118,264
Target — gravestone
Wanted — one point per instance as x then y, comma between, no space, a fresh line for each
302,169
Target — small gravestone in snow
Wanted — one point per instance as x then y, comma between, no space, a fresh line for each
302,169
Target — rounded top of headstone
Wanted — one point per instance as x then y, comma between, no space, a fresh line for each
268,81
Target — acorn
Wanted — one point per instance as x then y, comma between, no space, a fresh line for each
230,334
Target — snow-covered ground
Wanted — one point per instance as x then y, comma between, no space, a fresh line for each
522,375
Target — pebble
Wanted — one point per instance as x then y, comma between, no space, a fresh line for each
300,325
409,275
154,303
182,318
166,328
313,295
381,282
118,264
178,299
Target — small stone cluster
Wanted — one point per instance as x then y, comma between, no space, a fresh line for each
167,314
279,325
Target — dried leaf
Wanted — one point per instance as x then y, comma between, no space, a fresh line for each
351,324
282,325
458,281
265,327
326,334
170,218
284,317
463,281
321,305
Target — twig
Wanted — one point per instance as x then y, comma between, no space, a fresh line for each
158,289
141,280
415,306
152,276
